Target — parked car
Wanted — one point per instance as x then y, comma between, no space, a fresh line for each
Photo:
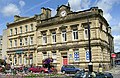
34,69
69,69
108,75
45,70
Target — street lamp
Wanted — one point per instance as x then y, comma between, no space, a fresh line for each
90,66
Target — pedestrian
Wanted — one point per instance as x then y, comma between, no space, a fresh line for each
25,69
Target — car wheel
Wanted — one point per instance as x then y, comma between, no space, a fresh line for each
31,71
77,71
63,72
42,71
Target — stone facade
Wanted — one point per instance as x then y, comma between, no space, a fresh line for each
64,37
22,41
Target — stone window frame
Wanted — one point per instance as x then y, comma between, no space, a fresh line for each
44,55
15,43
25,59
74,29
64,35
26,28
16,31
54,56
26,41
10,43
31,40
20,41
31,27
20,59
11,31
85,26
20,29
44,37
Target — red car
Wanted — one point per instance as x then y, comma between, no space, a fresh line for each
34,69
45,70
42,70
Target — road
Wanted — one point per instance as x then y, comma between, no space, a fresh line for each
115,71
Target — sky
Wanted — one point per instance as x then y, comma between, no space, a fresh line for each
111,10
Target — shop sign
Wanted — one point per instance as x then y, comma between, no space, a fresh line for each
18,52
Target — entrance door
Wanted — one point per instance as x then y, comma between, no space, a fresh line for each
65,60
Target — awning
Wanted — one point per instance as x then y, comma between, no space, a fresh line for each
19,52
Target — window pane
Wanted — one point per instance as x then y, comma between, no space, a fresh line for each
20,29
44,39
15,30
25,41
54,37
75,34
10,31
26,27
64,38
31,27
20,42
31,40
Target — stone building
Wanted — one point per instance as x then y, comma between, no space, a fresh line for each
22,41
64,37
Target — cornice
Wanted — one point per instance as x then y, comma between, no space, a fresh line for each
70,17
67,47
21,21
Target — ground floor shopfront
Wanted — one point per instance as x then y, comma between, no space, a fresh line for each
22,57
75,56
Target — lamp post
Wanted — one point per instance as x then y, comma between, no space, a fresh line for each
90,66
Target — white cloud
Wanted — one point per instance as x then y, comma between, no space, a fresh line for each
77,5
10,9
106,6
116,29
117,43
107,16
53,12
22,3
85,4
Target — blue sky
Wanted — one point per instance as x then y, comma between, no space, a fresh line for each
111,9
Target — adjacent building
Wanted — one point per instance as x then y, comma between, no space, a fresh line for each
117,59
64,37
22,41
4,45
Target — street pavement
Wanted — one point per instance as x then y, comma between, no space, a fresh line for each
115,71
